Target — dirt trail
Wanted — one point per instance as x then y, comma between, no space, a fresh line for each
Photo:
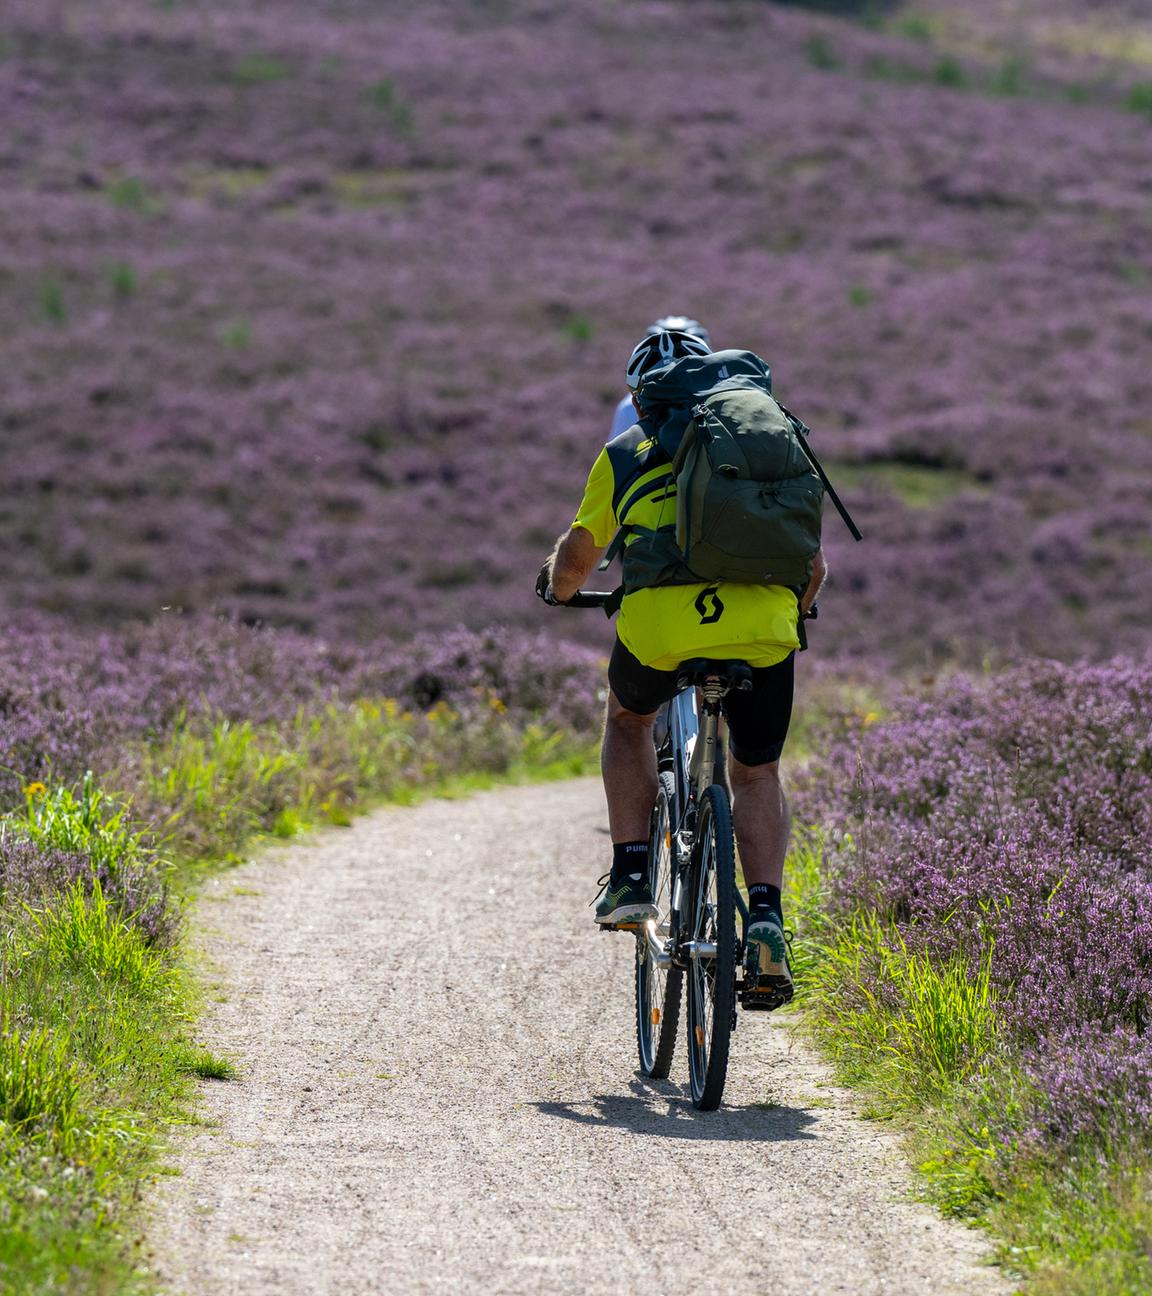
439,1094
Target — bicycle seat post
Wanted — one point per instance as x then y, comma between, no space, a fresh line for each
712,690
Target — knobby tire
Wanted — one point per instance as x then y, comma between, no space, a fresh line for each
658,990
712,918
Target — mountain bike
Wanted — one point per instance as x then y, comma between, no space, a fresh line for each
698,933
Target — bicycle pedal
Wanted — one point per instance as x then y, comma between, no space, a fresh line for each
766,1000
756,1003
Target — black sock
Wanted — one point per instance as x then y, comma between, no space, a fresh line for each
763,896
629,860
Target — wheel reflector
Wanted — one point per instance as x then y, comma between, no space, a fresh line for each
700,1036
655,1016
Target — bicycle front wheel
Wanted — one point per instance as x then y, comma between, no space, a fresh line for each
658,983
711,949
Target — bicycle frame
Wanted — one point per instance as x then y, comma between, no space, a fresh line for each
695,752
693,744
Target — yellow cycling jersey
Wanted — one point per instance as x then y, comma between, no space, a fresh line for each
666,624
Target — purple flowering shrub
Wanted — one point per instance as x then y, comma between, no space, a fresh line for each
73,701
1012,817
31,874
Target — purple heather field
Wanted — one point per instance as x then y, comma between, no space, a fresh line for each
314,316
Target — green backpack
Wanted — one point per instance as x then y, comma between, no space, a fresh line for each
749,491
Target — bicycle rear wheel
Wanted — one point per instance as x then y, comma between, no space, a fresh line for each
658,987
712,946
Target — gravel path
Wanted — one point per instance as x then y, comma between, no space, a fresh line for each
438,1094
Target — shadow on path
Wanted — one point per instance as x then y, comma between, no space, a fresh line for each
664,1109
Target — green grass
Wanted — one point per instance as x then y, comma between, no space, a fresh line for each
917,486
1082,1228
122,279
948,72
202,1062
84,821
820,54
38,1084
386,99
80,932
892,1019
917,27
1010,78
131,194
579,328
53,308
833,704
1139,99
92,1024
211,790
229,183
920,1039
259,69
235,334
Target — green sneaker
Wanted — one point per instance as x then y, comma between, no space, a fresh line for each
767,973
624,904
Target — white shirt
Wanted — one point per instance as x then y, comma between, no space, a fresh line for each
624,417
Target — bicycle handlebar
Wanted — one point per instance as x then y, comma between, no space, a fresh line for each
588,599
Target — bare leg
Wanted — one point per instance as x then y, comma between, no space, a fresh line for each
628,763
762,821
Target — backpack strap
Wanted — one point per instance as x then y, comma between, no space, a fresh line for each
615,547
802,431
627,471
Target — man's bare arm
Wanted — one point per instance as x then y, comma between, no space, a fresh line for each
572,561
819,575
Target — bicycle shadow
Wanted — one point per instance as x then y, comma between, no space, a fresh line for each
662,1109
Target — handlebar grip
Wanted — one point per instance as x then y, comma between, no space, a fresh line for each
588,599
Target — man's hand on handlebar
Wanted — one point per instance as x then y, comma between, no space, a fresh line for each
544,586
581,599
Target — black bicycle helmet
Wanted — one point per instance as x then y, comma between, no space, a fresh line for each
680,324
660,348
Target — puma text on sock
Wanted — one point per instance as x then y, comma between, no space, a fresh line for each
763,896
630,860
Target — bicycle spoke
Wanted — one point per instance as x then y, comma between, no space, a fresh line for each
712,943
658,984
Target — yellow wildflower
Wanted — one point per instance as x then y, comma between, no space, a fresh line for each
35,790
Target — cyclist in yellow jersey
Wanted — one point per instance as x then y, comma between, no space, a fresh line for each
632,484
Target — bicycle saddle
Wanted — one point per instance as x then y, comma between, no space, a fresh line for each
735,675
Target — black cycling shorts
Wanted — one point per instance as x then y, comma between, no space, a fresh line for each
757,720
